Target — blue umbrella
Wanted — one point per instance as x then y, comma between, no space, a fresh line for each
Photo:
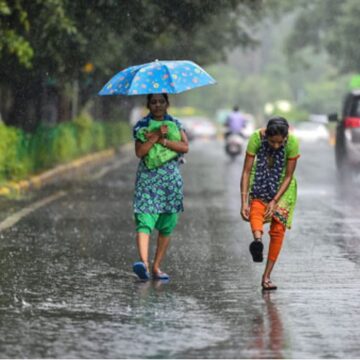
156,77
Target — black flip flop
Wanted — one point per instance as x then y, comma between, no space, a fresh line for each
256,250
268,285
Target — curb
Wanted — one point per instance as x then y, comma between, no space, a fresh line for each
35,182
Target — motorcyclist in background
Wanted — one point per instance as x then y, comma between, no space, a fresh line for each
235,122
234,137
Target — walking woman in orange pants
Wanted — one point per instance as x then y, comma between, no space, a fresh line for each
269,190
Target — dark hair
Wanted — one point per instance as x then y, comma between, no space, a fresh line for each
277,126
236,108
149,97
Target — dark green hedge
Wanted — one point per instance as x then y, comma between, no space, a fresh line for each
23,154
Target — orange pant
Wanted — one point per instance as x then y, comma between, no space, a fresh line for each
277,230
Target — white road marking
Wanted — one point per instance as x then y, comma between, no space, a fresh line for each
13,219
105,170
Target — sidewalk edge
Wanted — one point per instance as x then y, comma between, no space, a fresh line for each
35,182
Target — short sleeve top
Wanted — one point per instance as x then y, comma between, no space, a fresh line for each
292,150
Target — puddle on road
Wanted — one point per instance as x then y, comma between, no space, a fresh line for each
74,306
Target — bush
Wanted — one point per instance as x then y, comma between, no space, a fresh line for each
21,163
117,133
84,132
22,154
98,134
15,161
64,146
40,147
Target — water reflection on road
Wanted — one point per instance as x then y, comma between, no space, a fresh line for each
268,333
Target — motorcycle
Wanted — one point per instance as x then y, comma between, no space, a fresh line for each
234,144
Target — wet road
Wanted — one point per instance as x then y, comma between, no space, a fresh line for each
67,290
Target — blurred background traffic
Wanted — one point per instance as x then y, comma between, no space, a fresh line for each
296,59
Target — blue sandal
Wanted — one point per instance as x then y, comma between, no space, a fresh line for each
140,270
160,276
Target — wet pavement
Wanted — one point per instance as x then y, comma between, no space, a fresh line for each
67,290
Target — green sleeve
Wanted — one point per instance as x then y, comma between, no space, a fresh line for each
254,143
292,147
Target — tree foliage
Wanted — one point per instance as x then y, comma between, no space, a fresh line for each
13,24
46,45
254,78
330,26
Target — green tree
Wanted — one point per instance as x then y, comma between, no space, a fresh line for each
330,26
48,31
13,23
62,36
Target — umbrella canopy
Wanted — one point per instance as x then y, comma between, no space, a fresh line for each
157,77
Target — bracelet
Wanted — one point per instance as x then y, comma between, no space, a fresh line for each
165,142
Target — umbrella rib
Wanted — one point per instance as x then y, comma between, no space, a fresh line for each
131,82
172,80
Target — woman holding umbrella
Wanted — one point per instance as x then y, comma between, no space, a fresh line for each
158,197
158,189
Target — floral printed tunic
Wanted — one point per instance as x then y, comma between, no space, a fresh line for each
158,190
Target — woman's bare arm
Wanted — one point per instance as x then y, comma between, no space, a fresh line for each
181,146
289,172
141,149
245,184
245,177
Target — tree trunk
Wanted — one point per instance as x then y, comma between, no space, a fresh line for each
25,109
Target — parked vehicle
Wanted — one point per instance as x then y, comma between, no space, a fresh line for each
347,144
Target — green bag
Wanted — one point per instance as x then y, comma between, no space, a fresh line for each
158,155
